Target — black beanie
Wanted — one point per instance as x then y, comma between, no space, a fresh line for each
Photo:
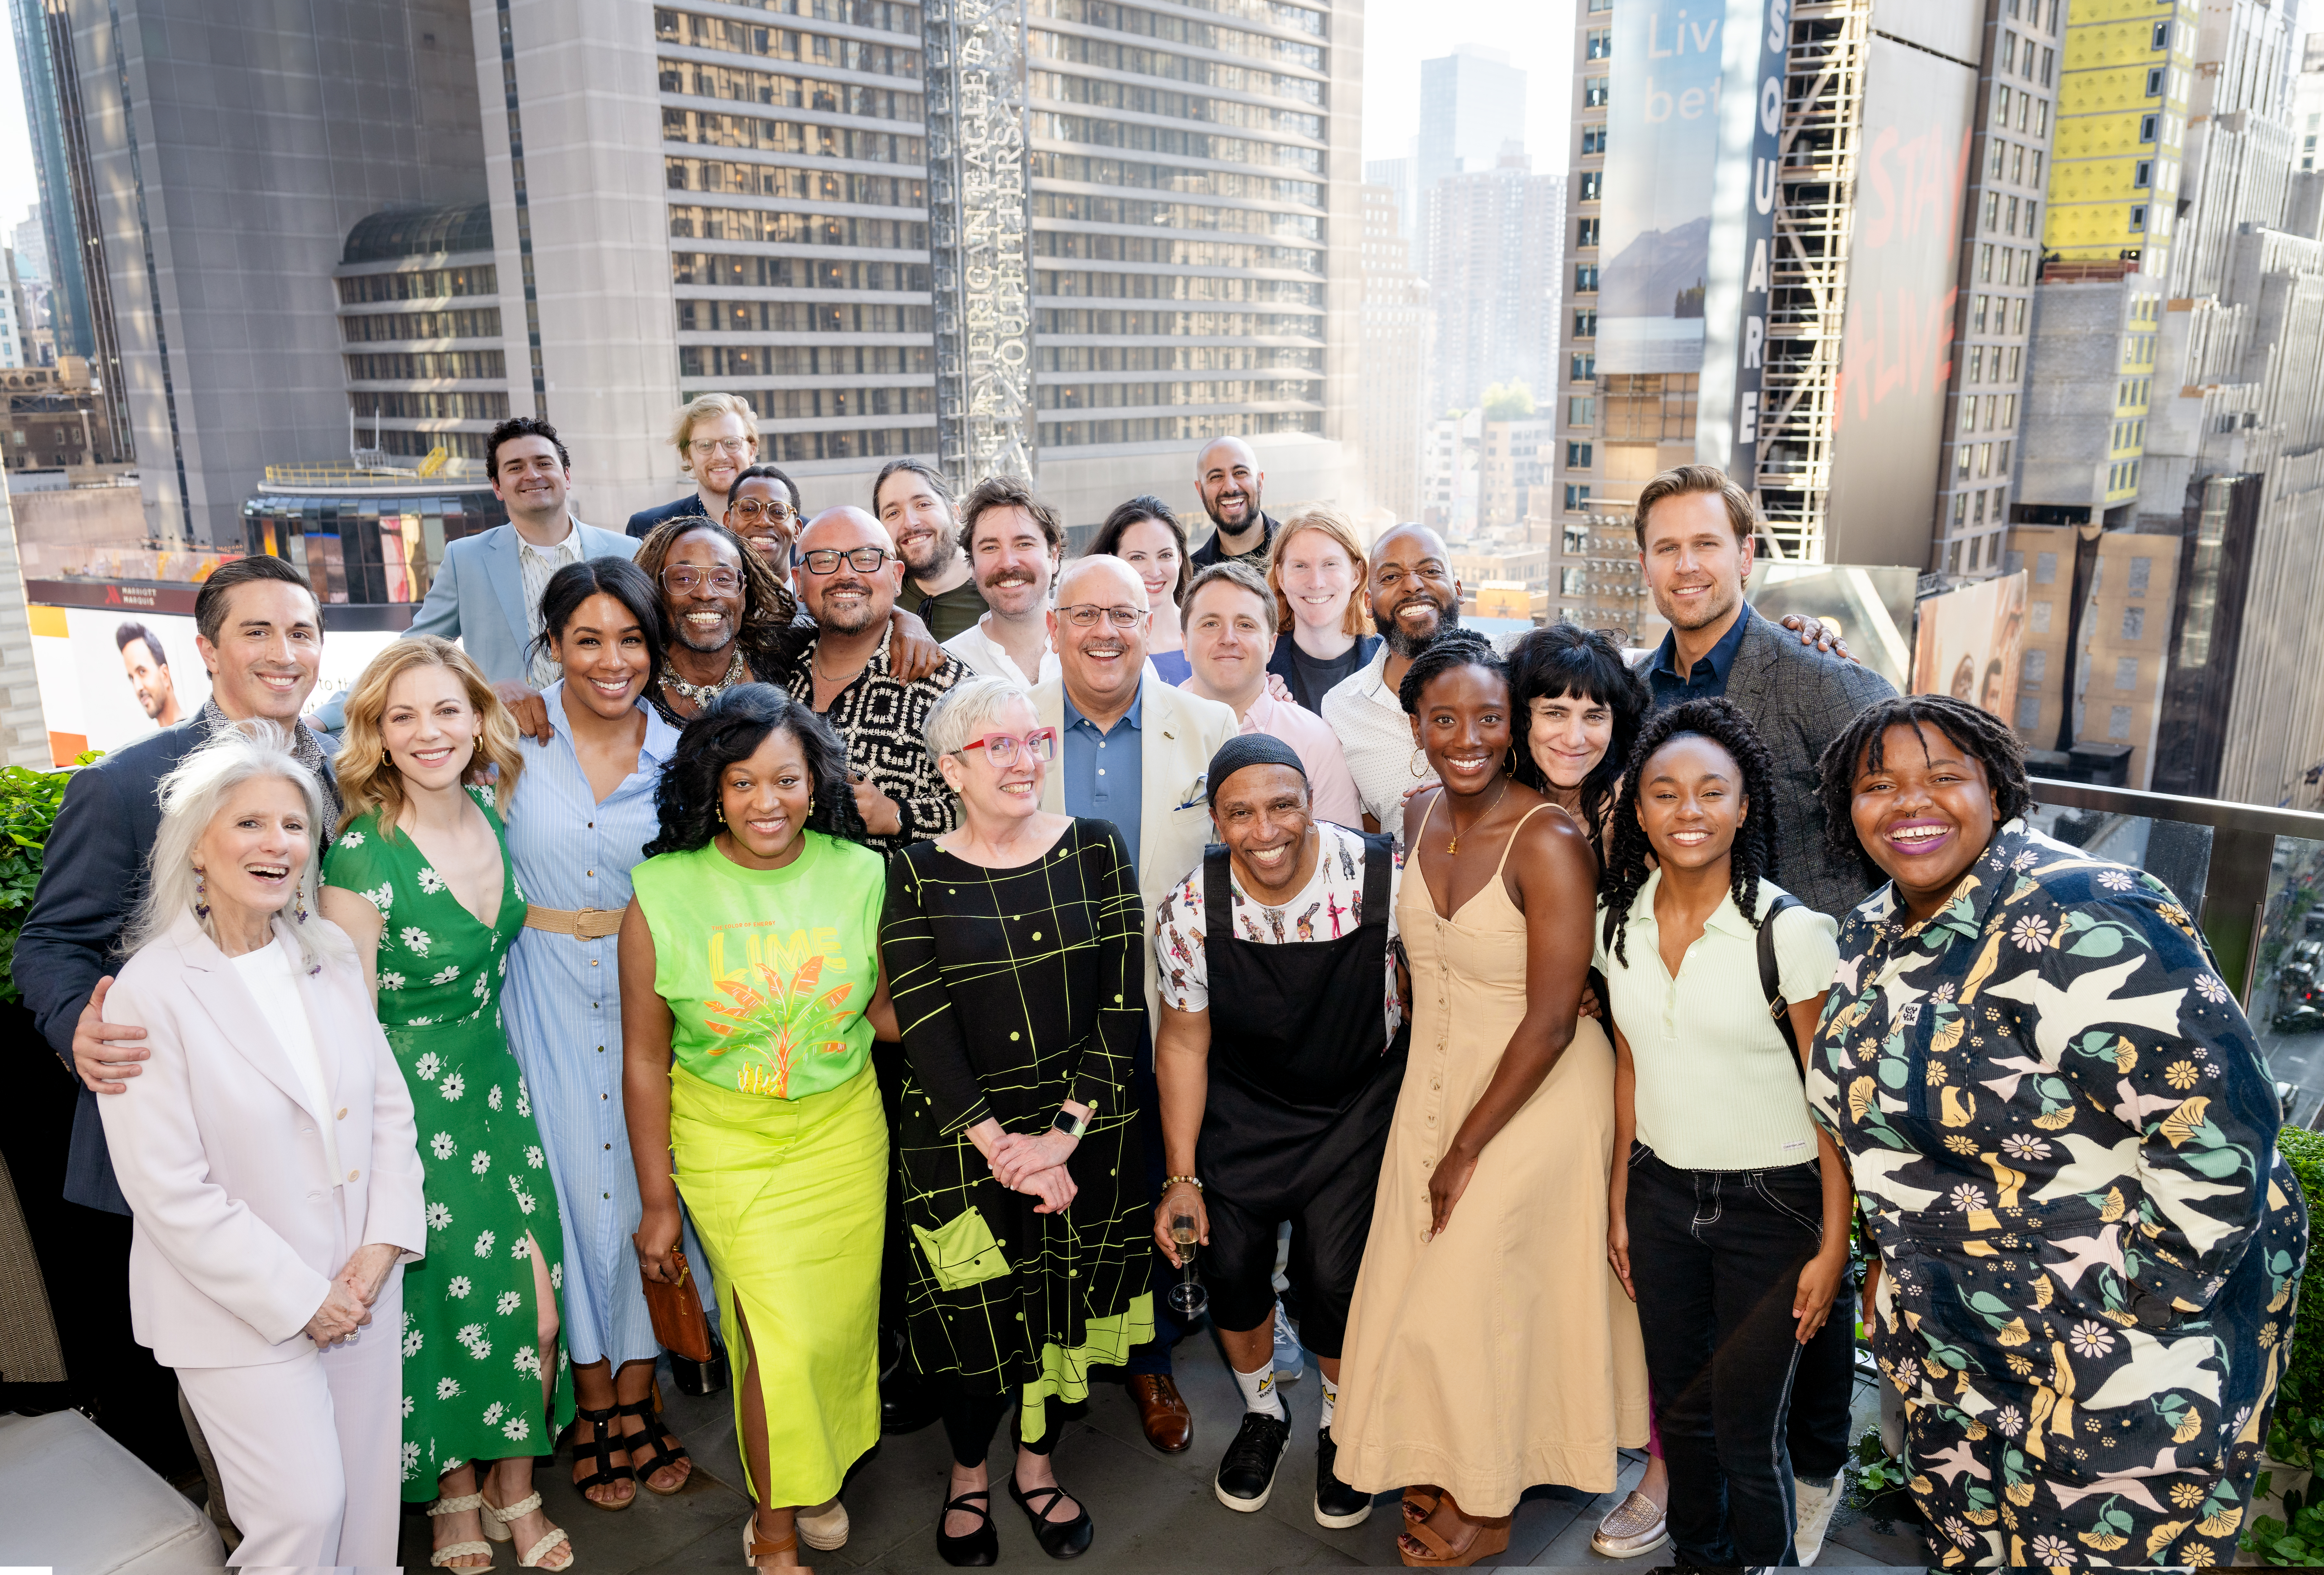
1250,749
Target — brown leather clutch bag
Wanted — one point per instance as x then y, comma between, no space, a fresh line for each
680,1324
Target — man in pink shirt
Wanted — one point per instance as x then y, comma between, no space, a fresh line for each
1228,618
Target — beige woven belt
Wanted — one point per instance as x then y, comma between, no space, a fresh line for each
590,924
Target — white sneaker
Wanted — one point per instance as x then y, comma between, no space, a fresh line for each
1815,1507
1290,1361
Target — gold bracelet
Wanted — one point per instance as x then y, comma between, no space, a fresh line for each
1171,1180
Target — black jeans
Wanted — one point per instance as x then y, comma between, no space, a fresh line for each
1716,1257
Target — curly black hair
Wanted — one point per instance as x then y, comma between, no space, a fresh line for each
731,729
1989,739
1455,648
1563,659
1628,859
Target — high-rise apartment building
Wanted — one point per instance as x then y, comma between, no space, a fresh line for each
1489,250
1397,175
2000,259
1393,368
2307,105
1472,109
2126,75
630,205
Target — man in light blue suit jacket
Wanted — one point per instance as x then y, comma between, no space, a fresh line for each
486,593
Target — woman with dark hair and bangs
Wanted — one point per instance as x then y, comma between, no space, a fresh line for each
1578,711
1146,536
752,988
1726,1205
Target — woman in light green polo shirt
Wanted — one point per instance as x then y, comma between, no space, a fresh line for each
1730,1214
751,986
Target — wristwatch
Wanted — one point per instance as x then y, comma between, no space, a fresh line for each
1071,1124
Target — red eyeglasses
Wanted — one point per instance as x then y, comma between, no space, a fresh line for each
1001,748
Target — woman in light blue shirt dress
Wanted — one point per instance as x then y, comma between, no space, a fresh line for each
584,811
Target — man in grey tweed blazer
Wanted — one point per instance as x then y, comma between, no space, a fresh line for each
1694,530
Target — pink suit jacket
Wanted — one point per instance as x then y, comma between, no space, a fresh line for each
239,1227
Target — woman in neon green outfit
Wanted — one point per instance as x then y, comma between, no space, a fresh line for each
1014,944
751,985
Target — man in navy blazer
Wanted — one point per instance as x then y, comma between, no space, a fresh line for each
260,632
486,593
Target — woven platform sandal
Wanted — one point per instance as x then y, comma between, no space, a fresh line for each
496,1526
441,1558
753,1550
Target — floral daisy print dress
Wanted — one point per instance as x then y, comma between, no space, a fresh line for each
2063,1138
472,1375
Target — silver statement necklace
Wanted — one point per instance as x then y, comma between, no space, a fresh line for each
702,694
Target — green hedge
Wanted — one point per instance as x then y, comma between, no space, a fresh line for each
2297,1437
28,801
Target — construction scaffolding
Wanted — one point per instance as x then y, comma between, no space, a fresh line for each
1823,118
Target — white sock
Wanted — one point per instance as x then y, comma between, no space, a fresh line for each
1259,1391
1331,1401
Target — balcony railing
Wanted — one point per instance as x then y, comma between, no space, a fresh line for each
2253,881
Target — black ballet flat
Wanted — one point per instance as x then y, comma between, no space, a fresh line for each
979,1548
1060,1539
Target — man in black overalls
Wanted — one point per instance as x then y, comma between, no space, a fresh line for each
1276,1107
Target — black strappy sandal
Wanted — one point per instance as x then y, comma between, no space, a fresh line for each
600,1445
665,1448
1060,1539
979,1547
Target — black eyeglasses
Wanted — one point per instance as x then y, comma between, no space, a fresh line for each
864,561
681,578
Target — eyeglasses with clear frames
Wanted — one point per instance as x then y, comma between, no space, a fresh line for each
781,513
1040,745
733,447
681,578
1082,615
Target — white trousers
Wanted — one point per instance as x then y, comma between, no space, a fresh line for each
308,1448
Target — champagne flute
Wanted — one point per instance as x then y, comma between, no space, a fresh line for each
1189,1298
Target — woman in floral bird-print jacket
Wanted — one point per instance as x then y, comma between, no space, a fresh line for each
2064,1140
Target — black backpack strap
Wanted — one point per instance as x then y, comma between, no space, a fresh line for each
1771,983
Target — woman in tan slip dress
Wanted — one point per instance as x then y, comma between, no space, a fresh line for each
1489,1348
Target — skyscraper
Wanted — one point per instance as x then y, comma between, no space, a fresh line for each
1472,108
1489,245
1389,409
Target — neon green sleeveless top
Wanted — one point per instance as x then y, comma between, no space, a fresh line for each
767,972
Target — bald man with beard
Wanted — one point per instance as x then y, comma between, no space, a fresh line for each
1227,475
1416,596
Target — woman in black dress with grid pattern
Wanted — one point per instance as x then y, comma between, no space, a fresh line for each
1011,947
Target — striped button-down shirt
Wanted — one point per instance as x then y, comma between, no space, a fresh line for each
536,564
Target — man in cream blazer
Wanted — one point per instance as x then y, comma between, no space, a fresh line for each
1111,709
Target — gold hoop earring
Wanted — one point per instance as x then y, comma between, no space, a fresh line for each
1419,764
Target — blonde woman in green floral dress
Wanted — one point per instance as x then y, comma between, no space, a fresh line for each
420,877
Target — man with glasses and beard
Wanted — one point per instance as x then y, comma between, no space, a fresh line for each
1133,750
1415,598
916,509
1227,475
847,577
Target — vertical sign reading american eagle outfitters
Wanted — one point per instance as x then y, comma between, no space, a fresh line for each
980,237
1739,271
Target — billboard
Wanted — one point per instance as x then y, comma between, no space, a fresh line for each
1969,642
109,676
1897,347
1738,285
1662,141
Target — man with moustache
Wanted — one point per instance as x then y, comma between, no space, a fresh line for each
1133,750
847,577
1415,598
149,672
1277,1109
916,508
1014,542
1227,475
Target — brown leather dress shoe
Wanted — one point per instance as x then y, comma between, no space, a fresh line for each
1170,1425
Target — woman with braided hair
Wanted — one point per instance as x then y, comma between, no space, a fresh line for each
1725,1205
2066,1142
1489,1347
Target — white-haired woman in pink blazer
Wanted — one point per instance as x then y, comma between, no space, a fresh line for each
268,1154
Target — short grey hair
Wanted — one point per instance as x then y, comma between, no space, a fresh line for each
964,711
192,795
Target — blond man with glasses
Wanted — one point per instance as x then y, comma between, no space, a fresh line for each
717,436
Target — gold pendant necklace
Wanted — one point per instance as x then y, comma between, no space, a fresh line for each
1454,845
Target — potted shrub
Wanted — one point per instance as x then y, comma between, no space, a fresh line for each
2287,1521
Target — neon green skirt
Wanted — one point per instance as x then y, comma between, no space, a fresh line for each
789,1197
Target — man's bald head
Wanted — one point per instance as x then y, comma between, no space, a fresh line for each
842,597
1227,475
845,527
1414,594
1120,588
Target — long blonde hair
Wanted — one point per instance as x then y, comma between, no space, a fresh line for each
1356,619
368,779
191,797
